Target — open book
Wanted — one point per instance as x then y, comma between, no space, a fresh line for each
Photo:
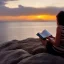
44,34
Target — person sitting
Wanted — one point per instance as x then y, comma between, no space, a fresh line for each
56,45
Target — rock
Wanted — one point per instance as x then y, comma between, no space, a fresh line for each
9,45
13,56
43,58
28,51
30,44
39,49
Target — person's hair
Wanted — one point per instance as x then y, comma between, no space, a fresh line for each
60,18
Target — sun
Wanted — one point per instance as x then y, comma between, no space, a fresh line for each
39,16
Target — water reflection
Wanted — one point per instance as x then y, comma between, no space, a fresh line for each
22,30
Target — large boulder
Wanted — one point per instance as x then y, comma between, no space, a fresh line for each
13,56
32,45
43,58
28,51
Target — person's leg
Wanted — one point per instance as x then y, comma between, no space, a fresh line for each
49,48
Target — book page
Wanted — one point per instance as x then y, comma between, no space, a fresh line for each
45,34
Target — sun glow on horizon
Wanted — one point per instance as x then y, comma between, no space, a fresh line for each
29,17
39,16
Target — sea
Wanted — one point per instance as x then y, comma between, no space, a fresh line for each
22,30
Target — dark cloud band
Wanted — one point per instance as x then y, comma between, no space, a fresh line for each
21,10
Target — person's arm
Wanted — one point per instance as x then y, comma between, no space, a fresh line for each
58,35
56,41
52,40
44,42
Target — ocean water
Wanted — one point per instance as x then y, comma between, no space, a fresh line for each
22,30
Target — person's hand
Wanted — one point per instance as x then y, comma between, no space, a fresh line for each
44,42
51,39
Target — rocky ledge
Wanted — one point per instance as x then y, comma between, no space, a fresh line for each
28,51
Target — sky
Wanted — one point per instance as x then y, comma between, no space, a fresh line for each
19,10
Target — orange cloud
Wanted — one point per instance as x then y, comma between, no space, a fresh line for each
29,17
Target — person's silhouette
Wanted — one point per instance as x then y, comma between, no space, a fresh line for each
56,46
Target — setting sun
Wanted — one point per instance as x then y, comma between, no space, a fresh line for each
39,16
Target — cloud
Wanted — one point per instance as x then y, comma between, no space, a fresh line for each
21,10
3,2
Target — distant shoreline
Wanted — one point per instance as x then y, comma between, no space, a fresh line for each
29,21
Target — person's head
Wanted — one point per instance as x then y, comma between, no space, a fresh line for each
60,18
